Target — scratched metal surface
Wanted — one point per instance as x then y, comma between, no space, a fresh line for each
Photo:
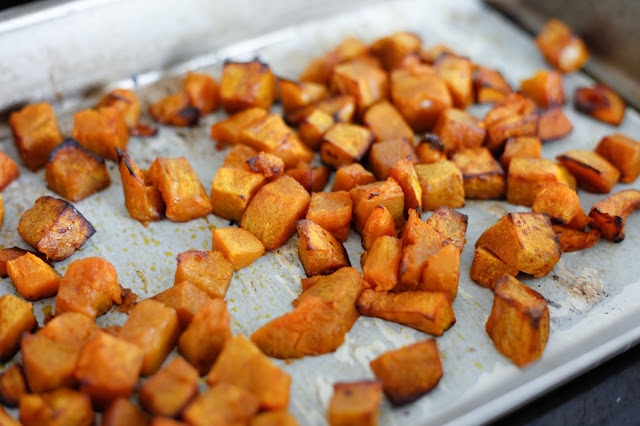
594,296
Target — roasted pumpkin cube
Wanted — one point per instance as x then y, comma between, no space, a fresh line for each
313,179
54,227
385,122
33,277
6,419
269,165
527,176
295,94
9,170
420,96
35,133
365,81
320,69
344,144
404,172
101,131
126,101
273,418
409,372
609,215
450,224
431,53
600,102
60,407
482,175
70,328
293,152
490,86
563,49
48,364
487,268
168,391
266,134
273,212
562,205
341,108
592,171
553,124
186,298
90,287
12,386
210,271
143,201
320,252
515,115
355,403
385,154
544,88
457,72
246,84
203,92
232,190
313,128
442,185
11,253
574,240
519,321
175,110
75,173
366,197
458,129
624,153
223,404
242,364
238,155
348,177
378,224
524,241
393,48
380,268
332,211
430,149
523,146
442,272
122,412
228,130
239,246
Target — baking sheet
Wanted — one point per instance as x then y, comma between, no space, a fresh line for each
594,296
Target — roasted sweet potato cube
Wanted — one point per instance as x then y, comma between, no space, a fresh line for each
242,364
266,134
386,122
430,149
12,386
592,171
404,172
366,82
442,272
393,48
344,144
175,110
355,403
431,53
181,189
48,364
143,201
9,170
320,70
228,130
54,227
341,108
624,153
420,96
168,391
35,132
457,72
126,101
122,412
366,197
409,372
223,404
269,165
186,298
524,241
574,240
486,268
523,146
527,176
60,407
295,94
313,128
600,102
544,88
293,152
379,223
380,268
609,215
515,115
490,85
333,212
239,154
101,131
450,224
108,368
90,287
75,173
385,154
482,175
562,205
320,252
348,177
272,214
313,179
553,124
519,321
232,190
210,271
203,92
246,84
442,185
33,277
458,129
561,47
239,246
71,328
273,418
6,419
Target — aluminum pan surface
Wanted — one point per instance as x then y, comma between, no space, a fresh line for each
594,296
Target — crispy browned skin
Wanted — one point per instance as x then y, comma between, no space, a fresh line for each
348,177
175,110
143,201
609,215
527,176
487,268
101,131
232,190
592,171
562,205
60,407
601,103
522,146
386,122
35,133
553,124
519,321
33,277
489,84
515,115
320,252
296,94
333,211
228,130
624,153
450,224
269,165
561,47
9,170
355,403
210,271
238,155
366,197
404,172
380,269
383,155
239,246
274,418
54,227
482,175
442,185
125,101
458,129
122,412
544,88
574,240
16,317
344,144
365,80
186,298
203,92
12,386
246,84
457,72
223,404
409,372
430,149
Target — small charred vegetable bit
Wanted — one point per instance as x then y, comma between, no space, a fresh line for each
562,205
409,372
519,321
523,146
524,241
223,404
458,129
544,88
122,412
313,179
203,92
527,175
365,81
273,418
379,223
601,103
295,95
561,47
404,172
269,165
33,277
574,240
386,122
490,85
101,131
355,403
186,298
385,154
348,177
610,214
12,386
228,130
451,225
442,272
175,110
344,144
430,149
332,211
143,201
16,317
482,175
380,269
75,173
167,392
457,72
486,268
592,171
60,407
366,197
210,271
553,124
54,227
126,102
239,246
442,185
319,251
246,84
181,189
232,190
624,153
515,115
9,170
35,132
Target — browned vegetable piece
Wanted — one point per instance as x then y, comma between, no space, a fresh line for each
320,70
6,419
60,407
270,134
442,272
522,146
482,175
90,287
313,128
365,81
143,201
561,47
380,269
430,149
313,179
48,364
181,189
269,165
70,328
379,223
274,418
9,170
340,108
431,53
393,48
101,131
75,173
420,96
238,155
228,130
232,190
524,241
553,124
168,391
486,268
515,115
562,205
592,171
574,240
320,252
348,177
12,386
404,172
203,92
186,298
610,214
409,372
332,211
544,88
122,412
242,364
223,404
624,153
295,94
54,227
519,321
385,154
450,224
175,110
272,214
154,328
246,84
344,144
600,102
490,85
366,197
35,133
33,277
239,246
355,403
124,101
457,72
210,271
442,185
386,122
458,129
527,176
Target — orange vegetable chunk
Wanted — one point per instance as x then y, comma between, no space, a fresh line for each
35,133
487,268
143,201
223,404
380,268
16,317
210,271
624,153
101,131
186,298
60,407
239,246
33,277
366,197
592,171
609,215
246,84
332,211
355,403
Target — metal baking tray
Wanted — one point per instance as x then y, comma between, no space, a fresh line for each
594,296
